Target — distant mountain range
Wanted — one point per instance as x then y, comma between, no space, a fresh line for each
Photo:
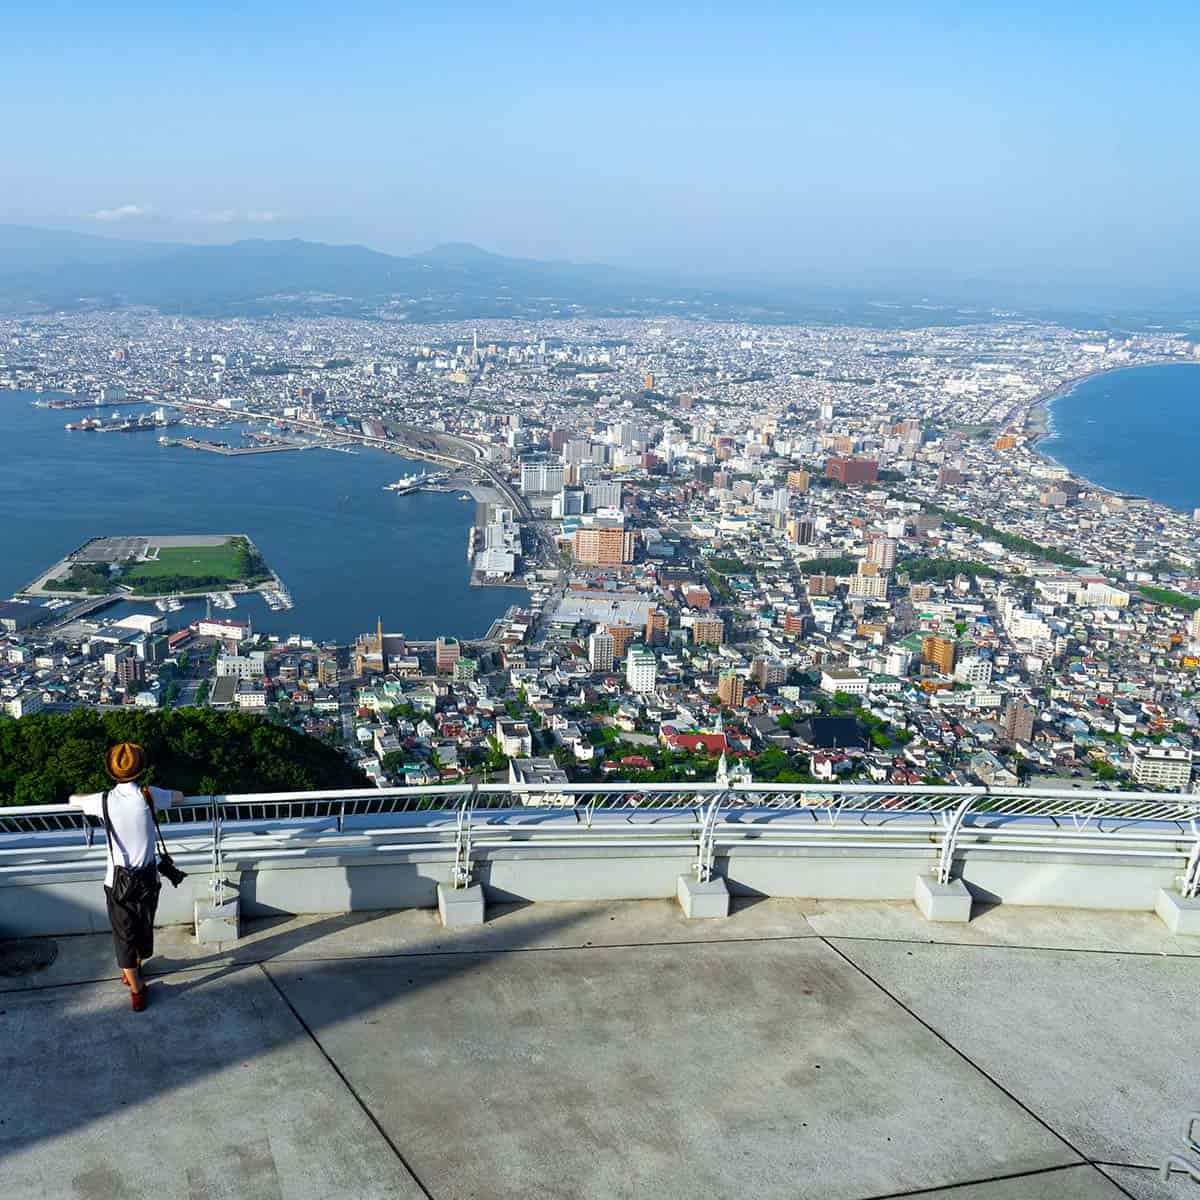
55,270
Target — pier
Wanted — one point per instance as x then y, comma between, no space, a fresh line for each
231,451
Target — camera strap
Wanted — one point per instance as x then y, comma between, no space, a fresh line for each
154,817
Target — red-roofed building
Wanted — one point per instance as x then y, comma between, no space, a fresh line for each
693,743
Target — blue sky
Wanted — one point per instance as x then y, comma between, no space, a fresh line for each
852,141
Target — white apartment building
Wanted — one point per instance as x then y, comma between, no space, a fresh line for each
514,738
641,670
538,478
871,587
974,670
1162,767
601,647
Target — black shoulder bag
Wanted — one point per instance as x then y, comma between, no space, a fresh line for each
130,885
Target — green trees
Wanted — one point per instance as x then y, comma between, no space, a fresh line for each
44,758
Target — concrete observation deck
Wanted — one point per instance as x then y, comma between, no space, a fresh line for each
834,1049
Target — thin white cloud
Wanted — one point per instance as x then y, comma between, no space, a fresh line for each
124,212
237,216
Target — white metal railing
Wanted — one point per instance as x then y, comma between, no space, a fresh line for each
698,820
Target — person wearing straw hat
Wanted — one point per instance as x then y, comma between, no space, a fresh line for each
131,883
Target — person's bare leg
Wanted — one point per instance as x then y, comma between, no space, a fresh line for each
133,978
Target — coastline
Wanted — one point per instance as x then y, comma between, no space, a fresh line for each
328,534
1038,422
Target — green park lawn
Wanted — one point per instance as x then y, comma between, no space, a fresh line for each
219,561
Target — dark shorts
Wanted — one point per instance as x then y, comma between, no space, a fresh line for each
132,927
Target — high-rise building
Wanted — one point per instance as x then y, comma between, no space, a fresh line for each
1196,625
446,653
327,670
570,502
603,493
708,630
798,481
1018,720
939,652
801,531
641,670
537,478
851,471
883,553
795,621
731,687
868,584
656,627
603,545
622,635
768,672
601,650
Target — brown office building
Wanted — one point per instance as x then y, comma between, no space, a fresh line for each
851,471
622,636
939,652
708,631
604,546
446,654
656,627
731,687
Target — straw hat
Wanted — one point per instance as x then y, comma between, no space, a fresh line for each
125,761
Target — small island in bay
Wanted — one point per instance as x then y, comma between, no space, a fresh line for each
149,567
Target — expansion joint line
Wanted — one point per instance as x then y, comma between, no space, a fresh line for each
362,1104
941,1037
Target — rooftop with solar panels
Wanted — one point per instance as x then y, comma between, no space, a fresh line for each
666,991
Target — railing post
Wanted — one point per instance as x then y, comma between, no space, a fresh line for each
1191,873
461,875
461,903
706,848
220,920
952,824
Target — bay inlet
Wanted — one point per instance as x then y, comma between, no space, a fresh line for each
1134,430
348,551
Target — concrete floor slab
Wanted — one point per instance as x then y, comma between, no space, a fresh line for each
1069,1183
1002,925
1090,1042
89,957
760,1068
1146,1184
214,1092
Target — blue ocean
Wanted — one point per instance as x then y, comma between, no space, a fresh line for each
1135,430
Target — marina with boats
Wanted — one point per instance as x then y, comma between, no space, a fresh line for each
158,419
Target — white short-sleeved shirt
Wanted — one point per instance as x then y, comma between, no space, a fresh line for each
132,825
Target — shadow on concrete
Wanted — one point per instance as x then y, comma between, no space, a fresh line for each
75,1054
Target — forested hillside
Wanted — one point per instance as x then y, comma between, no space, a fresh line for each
44,758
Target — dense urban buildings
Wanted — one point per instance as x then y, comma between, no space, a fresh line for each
726,534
